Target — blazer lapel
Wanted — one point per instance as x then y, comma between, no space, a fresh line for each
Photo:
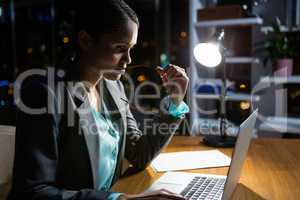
119,100
117,96
78,95
116,106
81,106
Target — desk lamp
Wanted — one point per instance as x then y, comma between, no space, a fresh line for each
212,54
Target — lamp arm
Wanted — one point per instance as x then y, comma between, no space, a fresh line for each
223,102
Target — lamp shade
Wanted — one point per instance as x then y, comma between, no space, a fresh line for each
208,54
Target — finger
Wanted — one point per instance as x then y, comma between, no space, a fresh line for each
171,71
153,193
176,75
179,76
164,78
159,69
179,69
172,74
173,197
159,197
167,191
175,67
158,194
182,70
169,68
161,73
171,194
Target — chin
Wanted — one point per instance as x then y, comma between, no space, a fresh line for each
113,76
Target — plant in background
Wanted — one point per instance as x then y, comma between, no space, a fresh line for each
278,44
281,49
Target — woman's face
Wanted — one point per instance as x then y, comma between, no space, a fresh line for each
110,55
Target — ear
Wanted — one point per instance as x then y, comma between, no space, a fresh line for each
84,41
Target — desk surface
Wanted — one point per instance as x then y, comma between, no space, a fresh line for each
271,170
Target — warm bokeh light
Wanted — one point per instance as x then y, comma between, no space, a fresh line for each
208,54
145,44
66,40
243,86
141,78
244,105
29,51
10,91
183,34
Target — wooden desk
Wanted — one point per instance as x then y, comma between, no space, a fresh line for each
271,170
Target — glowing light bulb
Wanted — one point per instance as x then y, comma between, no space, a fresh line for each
208,54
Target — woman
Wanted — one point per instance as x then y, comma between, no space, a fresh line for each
88,136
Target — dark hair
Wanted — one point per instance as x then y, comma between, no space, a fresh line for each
97,17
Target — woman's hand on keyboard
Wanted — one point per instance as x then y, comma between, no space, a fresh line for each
161,194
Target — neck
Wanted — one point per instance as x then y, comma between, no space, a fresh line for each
90,79
89,75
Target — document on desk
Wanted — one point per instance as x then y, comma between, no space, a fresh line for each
190,160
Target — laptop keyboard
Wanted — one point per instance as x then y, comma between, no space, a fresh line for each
204,188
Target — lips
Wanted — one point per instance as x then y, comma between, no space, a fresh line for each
120,68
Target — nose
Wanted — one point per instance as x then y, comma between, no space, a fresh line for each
127,57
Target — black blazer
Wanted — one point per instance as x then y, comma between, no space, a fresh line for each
51,156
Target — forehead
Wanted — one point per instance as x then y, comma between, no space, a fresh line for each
128,33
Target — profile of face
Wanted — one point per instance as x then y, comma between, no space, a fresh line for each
110,54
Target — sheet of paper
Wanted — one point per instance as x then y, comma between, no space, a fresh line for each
190,160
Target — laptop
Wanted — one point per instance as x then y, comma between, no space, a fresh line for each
196,186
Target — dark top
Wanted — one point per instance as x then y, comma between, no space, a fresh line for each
51,156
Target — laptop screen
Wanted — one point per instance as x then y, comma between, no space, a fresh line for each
239,154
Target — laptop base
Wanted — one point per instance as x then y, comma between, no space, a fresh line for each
219,141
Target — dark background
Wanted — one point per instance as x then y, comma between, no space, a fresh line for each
39,34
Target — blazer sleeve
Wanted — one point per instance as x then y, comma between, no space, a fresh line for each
36,153
142,147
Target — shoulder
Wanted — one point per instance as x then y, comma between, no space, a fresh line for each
35,78
34,87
